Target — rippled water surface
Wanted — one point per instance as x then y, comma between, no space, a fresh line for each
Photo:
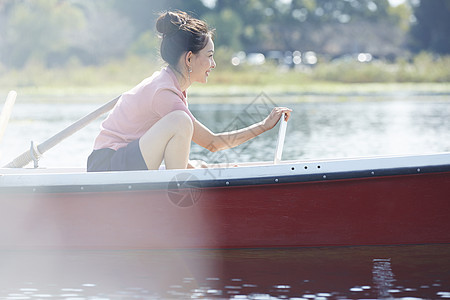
395,272
319,128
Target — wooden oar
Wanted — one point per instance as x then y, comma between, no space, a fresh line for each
6,112
280,142
26,157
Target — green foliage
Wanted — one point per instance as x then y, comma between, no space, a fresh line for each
229,25
355,72
401,16
147,44
54,31
37,29
126,73
425,68
109,42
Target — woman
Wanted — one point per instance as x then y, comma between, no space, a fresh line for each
152,122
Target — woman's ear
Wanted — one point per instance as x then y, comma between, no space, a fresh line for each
189,56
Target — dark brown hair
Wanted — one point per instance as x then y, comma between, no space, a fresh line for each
181,33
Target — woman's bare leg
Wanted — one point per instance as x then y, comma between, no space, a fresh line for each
169,139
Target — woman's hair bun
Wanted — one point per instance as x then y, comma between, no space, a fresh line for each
170,22
180,33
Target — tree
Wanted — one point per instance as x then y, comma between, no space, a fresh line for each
333,27
36,30
432,27
93,32
106,34
142,14
230,28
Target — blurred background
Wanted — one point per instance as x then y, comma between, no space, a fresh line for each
55,46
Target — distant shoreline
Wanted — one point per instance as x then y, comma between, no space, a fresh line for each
219,93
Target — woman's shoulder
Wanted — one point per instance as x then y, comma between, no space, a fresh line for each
160,80
159,86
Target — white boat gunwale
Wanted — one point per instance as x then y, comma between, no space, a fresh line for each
77,180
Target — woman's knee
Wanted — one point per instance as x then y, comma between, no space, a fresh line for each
181,121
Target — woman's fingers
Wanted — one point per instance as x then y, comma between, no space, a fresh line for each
275,116
287,111
280,110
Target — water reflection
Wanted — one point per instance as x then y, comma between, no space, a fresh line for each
409,272
383,278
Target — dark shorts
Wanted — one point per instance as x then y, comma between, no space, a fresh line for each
128,158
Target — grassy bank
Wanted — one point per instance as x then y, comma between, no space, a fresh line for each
423,75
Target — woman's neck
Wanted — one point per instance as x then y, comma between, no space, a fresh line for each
182,82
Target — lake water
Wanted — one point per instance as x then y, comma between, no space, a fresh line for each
325,127
400,272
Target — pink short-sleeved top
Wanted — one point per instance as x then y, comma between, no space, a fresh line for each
140,108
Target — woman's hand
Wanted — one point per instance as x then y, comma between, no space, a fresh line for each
274,116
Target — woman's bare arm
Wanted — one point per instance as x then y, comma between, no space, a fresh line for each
220,141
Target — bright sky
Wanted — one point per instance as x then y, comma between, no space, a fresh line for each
211,3
396,2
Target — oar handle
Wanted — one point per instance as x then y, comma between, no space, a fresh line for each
20,161
81,123
26,157
281,136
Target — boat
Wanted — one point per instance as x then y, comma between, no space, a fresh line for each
386,200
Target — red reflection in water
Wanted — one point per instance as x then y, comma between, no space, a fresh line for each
320,273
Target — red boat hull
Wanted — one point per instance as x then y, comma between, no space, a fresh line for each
384,210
